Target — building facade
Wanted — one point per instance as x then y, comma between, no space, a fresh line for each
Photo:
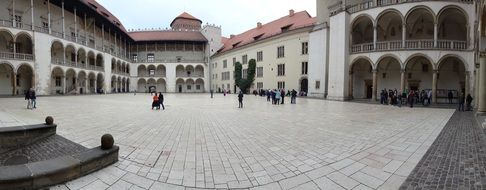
79,47
362,47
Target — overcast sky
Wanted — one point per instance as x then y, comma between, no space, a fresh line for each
234,16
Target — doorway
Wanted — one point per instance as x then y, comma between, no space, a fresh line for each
369,89
304,85
180,88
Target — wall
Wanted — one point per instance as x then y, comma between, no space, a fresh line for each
318,61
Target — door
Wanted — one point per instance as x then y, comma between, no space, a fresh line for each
369,89
304,85
180,88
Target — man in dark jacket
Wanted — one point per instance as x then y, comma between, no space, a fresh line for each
450,96
33,98
240,99
293,97
461,102
161,100
469,100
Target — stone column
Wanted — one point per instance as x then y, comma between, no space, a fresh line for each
76,84
402,80
375,85
351,80
95,85
14,83
32,14
482,84
435,35
86,85
63,22
375,36
467,85
404,34
434,86
116,86
64,84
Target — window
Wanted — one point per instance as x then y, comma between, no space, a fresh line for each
150,58
189,87
225,64
244,59
259,71
281,85
425,68
18,21
45,25
179,59
245,74
281,70
215,65
318,84
58,81
259,85
228,86
234,61
305,48
225,75
260,56
198,87
135,58
304,67
280,52
152,72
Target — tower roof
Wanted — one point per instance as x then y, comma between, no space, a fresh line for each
186,16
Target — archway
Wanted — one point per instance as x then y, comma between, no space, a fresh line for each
83,82
25,78
161,85
57,53
180,71
199,85
152,85
180,85
113,66
161,72
451,78
57,81
70,81
362,30
151,70
100,83
99,62
23,44
91,60
142,85
6,42
389,74
419,73
199,71
6,79
142,71
113,84
420,24
190,85
81,58
92,82
70,54
189,71
361,86
452,29
118,67
119,85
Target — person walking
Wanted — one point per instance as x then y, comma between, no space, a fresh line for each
411,98
461,102
267,92
27,97
33,99
240,99
293,97
161,100
282,93
273,96
211,93
155,102
277,97
469,100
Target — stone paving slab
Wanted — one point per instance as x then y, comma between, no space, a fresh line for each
456,160
199,142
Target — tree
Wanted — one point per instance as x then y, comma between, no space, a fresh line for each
245,84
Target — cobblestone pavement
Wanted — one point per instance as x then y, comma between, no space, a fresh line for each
456,160
199,142
52,147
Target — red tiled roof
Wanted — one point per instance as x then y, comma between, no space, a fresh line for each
276,27
167,36
185,15
103,11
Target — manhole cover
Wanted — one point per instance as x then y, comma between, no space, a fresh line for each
16,160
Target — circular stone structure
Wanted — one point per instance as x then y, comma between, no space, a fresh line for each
107,141
49,120
16,160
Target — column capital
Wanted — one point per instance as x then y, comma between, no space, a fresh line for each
435,71
374,71
403,70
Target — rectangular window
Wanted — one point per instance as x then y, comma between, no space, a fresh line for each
152,72
259,71
244,59
425,68
225,64
281,85
198,87
259,56
280,52
228,86
245,73
304,67
18,21
135,58
259,85
318,84
281,70
150,58
58,81
234,61
188,87
305,48
215,65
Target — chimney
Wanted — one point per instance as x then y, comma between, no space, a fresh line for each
232,36
259,25
291,12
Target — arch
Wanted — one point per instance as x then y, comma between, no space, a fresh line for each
362,29
100,61
142,71
100,83
451,77
161,85
81,54
443,58
6,79
407,61
361,82
389,25
91,59
180,71
355,60
303,84
389,55
199,71
57,52
389,71
151,70
6,41
23,43
180,85
419,71
452,23
71,81
161,70
57,80
70,53
142,85
420,22
190,85
82,81
113,65
152,85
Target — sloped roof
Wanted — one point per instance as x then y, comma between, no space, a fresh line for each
103,11
185,15
167,35
287,23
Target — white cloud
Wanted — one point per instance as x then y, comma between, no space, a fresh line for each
235,16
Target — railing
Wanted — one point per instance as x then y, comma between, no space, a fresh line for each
410,45
337,8
189,76
16,56
76,65
170,61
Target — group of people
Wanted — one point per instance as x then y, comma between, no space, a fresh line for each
424,97
31,99
277,96
158,101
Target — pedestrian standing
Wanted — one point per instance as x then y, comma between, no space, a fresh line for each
411,97
461,102
450,96
161,100
27,97
155,101
211,93
293,97
240,99
33,99
282,93
268,95
469,100
277,97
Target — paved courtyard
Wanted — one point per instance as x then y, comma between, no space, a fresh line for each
198,142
